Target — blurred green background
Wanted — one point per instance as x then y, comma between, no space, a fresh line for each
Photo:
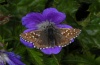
82,14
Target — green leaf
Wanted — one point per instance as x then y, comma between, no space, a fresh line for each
35,57
81,59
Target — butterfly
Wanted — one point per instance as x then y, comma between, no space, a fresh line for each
50,37
4,19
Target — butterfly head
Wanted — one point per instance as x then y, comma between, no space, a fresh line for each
46,25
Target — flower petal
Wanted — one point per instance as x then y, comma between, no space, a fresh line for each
9,61
13,54
2,60
15,59
2,63
54,50
51,14
28,30
63,26
32,19
27,44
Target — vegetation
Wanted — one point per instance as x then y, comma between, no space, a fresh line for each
82,14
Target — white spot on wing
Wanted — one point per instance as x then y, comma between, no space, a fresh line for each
66,30
68,34
71,33
26,34
74,30
33,36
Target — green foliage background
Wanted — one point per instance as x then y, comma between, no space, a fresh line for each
85,50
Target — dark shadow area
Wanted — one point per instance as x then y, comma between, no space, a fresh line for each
82,12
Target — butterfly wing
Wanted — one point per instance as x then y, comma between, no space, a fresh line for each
34,37
4,19
68,34
62,39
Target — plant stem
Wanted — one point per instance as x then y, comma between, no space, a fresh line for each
56,59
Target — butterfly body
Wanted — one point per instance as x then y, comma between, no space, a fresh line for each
50,36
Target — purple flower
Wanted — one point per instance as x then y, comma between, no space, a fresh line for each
9,58
32,21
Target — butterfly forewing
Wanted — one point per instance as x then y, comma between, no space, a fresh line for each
34,37
68,34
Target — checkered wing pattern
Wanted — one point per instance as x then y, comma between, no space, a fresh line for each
66,36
